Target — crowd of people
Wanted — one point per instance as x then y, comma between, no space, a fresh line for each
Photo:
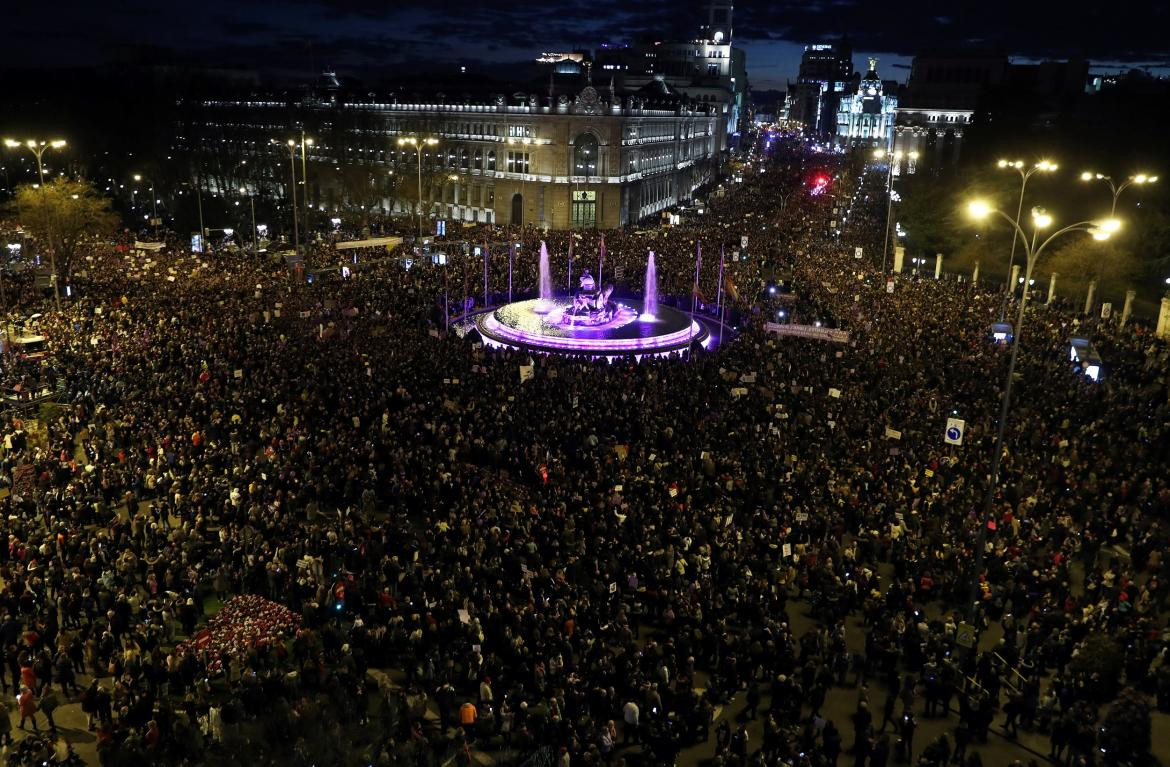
590,564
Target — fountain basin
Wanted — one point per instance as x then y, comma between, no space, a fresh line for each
520,325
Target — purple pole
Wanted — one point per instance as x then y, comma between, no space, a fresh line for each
570,263
485,275
511,253
719,295
698,266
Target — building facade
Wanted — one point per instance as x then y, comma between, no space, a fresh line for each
865,115
826,74
589,159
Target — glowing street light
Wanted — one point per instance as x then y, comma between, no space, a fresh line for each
418,143
38,148
1116,189
1100,230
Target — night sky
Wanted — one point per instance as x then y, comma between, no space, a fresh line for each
372,39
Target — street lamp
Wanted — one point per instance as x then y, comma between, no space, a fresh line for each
1044,166
153,203
252,205
38,148
896,157
418,144
1139,178
980,210
292,165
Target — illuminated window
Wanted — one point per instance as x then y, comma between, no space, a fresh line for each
517,162
464,159
491,159
585,155
478,159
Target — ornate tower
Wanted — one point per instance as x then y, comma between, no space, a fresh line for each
719,13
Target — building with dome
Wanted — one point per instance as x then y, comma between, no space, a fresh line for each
866,114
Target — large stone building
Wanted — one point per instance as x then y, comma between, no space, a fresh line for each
707,69
575,156
865,114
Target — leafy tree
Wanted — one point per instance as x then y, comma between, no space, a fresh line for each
1125,734
61,216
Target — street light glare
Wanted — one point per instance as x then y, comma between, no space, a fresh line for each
1041,218
137,177
1110,225
1086,176
1100,235
879,153
57,144
11,144
978,209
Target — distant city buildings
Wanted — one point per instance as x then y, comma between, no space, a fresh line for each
826,74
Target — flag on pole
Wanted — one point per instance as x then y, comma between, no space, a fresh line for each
695,294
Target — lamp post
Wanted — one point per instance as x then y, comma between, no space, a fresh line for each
292,166
1044,166
1100,230
153,203
38,148
895,157
1140,179
418,144
305,142
252,206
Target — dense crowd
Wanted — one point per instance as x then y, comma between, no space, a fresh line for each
587,564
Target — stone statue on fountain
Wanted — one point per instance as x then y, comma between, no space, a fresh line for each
591,305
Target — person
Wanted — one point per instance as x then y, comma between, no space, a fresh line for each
28,706
89,703
5,721
48,704
467,717
962,740
630,716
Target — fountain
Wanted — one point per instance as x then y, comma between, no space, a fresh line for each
591,320
650,303
545,303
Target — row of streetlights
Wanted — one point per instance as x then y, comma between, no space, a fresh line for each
1034,247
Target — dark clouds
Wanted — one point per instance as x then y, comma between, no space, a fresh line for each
376,37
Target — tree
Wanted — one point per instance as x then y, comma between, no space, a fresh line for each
61,215
1080,259
1125,734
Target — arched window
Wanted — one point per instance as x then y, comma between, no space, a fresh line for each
585,155
479,159
491,159
463,159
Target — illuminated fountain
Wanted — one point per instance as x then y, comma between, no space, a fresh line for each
545,303
594,321
650,304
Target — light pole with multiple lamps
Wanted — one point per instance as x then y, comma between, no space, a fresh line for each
418,144
38,148
1100,230
252,205
292,166
1140,179
895,157
153,203
1044,166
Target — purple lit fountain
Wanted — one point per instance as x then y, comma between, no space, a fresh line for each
545,303
650,304
592,322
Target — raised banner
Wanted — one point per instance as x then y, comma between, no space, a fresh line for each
809,331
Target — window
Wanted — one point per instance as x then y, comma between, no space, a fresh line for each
491,159
712,69
517,162
451,159
585,155
464,160
478,159
519,131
